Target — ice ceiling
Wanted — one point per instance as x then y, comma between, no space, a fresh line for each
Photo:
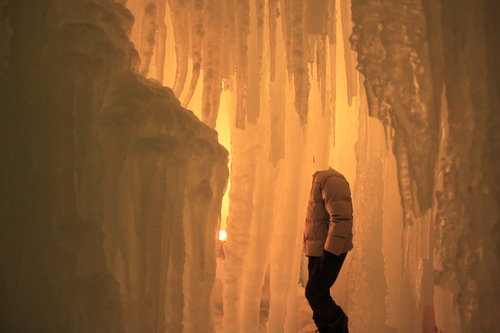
112,193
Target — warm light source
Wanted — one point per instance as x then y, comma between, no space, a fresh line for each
222,235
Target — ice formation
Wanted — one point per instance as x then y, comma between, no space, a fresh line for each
111,191
428,77
126,186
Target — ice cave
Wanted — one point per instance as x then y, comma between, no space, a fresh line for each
156,161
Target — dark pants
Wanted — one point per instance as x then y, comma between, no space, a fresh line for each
323,272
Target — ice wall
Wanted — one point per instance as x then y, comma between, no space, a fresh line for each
412,130
428,72
390,38
111,191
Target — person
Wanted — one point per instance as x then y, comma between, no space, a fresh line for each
327,239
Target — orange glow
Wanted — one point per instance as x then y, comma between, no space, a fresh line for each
224,136
222,235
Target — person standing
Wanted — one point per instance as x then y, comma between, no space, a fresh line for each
327,239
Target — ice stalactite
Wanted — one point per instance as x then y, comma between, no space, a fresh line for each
255,62
231,36
413,56
285,18
332,55
277,122
260,17
204,196
316,23
273,15
196,29
242,12
241,295
393,56
159,59
179,12
367,268
161,37
299,63
148,35
207,32
260,14
125,184
349,55
292,15
212,60
277,98
238,226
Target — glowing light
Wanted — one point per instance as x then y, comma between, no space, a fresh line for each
222,235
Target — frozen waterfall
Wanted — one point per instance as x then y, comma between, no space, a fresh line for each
113,193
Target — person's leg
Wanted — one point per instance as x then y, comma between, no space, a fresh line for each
323,271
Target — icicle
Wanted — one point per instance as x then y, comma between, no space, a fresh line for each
393,56
332,21
260,15
277,91
179,12
286,26
277,105
242,30
161,39
405,181
196,24
332,45
316,17
212,60
254,71
231,48
148,33
316,26
299,59
321,70
273,15
239,224
350,62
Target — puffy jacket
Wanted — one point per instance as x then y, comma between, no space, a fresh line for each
329,215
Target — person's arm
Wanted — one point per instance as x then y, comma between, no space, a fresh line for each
337,197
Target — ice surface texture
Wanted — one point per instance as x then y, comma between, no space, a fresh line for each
96,157
110,190
429,78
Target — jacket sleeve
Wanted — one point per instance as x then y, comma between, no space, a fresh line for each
337,198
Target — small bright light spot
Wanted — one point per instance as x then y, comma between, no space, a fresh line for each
222,235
